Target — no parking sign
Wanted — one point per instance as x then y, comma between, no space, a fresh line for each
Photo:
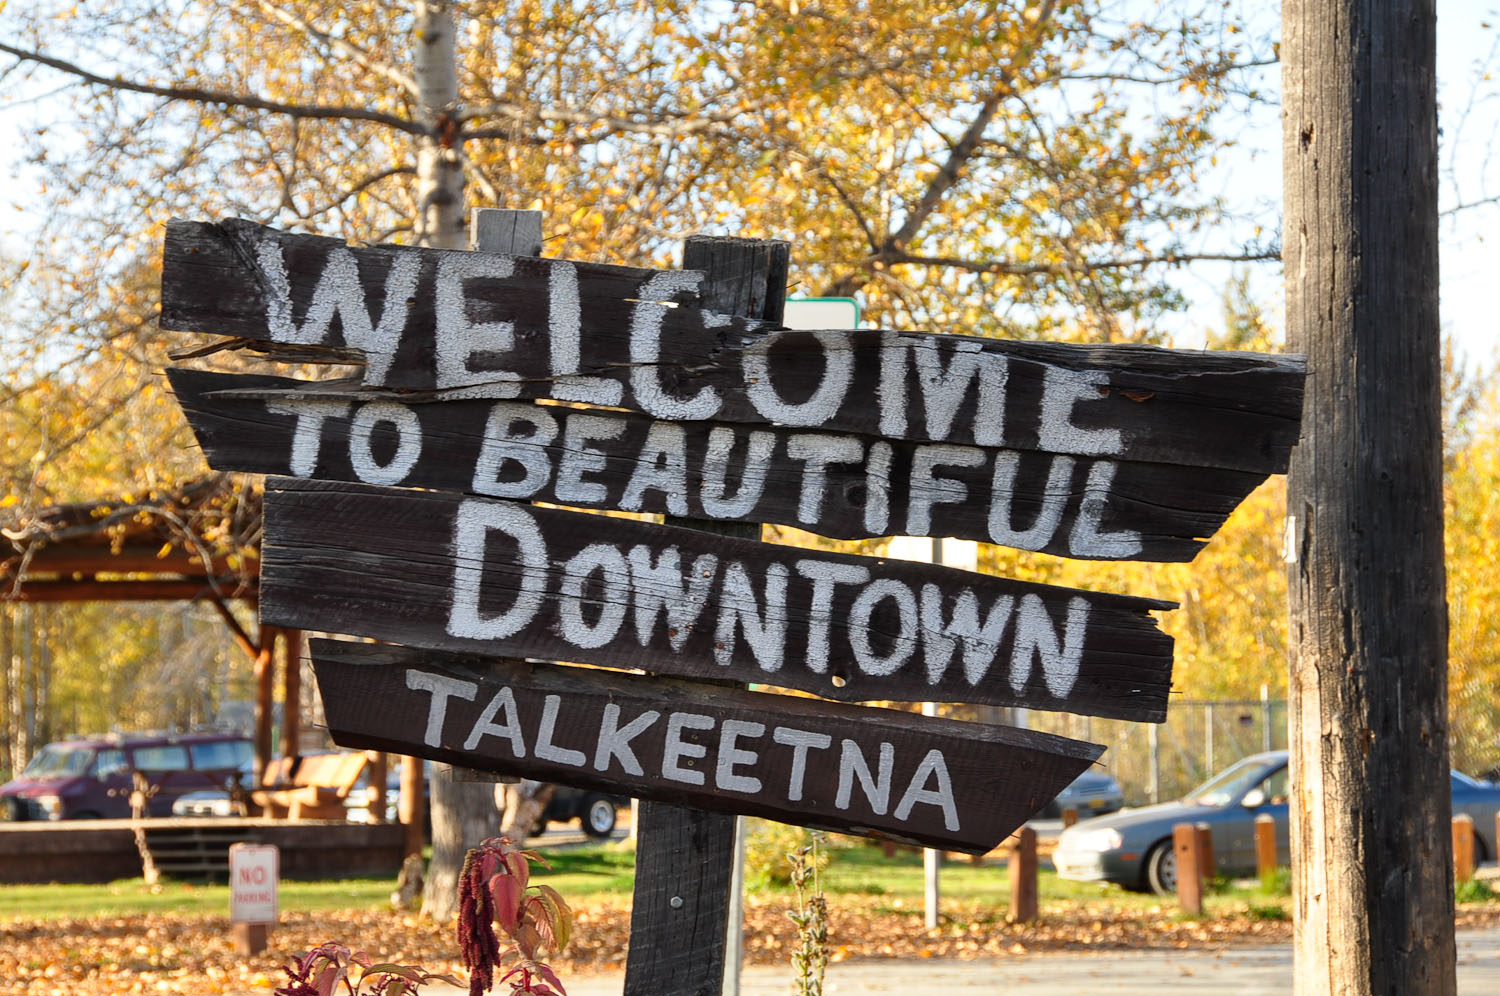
254,873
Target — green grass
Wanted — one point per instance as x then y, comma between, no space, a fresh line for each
607,871
133,896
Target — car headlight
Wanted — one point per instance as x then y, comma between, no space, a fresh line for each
1100,839
51,805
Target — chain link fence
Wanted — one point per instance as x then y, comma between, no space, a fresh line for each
1159,762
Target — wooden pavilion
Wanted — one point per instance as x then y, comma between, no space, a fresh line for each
198,541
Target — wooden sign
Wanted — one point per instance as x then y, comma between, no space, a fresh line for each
439,571
851,769
503,327
837,484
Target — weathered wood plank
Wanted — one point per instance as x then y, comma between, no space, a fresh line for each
820,481
426,320
851,769
495,577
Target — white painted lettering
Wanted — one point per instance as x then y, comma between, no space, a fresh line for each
564,329
928,490
764,632
878,488
1036,636
731,756
891,393
981,642
852,765
408,442
838,373
752,478
442,688
339,292
1002,524
612,601
504,442
579,458
661,466
800,741
457,338
817,452
473,522
307,435
1087,539
675,748
1061,390
485,725
614,739
903,643
932,766
545,748
659,587
944,388
645,350
824,575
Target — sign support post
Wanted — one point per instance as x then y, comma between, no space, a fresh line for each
684,857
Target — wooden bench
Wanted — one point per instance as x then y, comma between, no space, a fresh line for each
312,788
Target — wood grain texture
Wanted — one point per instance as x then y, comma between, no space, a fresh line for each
1216,409
1369,680
704,746
385,562
1026,500
683,909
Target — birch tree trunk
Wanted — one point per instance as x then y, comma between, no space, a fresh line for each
440,173
1372,873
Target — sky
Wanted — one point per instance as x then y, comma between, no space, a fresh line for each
1249,177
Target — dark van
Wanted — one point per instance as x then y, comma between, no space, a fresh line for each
89,777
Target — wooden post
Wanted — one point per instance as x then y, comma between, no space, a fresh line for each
1023,868
412,806
1265,847
683,867
249,938
291,692
379,771
1463,847
1206,852
1371,840
265,680
1189,868
1069,816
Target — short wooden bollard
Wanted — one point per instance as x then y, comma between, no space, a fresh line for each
1206,851
1265,847
249,938
1069,816
1023,897
1189,868
1463,847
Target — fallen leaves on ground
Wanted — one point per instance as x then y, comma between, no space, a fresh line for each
194,955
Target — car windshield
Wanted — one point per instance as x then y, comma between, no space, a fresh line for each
56,761
1229,784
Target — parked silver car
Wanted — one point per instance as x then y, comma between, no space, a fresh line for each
1134,846
1093,793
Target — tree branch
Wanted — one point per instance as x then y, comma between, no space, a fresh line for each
199,95
339,45
1002,267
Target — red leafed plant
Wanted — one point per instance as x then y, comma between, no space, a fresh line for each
326,971
494,891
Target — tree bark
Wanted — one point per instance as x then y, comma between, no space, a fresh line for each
465,812
440,174
1371,871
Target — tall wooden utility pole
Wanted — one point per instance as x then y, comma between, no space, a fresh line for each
1371,849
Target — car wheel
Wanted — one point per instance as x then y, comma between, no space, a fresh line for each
598,816
1161,869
